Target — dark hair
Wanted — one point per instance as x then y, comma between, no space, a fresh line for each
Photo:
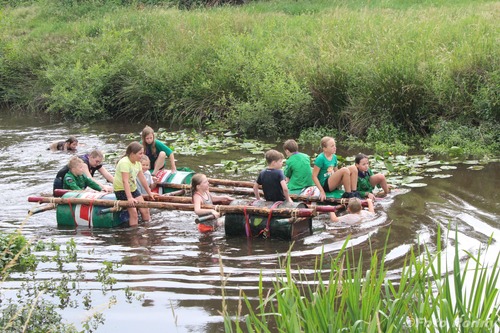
291,145
145,132
273,155
133,148
359,157
195,181
71,139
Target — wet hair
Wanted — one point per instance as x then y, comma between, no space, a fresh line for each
96,154
71,140
195,181
325,140
273,156
359,157
291,145
74,162
354,205
145,132
133,148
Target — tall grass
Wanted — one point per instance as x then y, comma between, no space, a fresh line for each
428,296
259,68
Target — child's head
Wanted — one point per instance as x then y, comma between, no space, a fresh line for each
274,158
134,151
148,135
145,163
96,157
328,145
75,165
354,205
71,143
198,181
290,146
362,163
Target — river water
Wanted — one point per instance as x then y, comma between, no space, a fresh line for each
177,269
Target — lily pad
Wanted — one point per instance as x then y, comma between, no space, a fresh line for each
476,167
471,162
442,176
416,185
433,170
448,167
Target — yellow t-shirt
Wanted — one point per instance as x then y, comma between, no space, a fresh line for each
125,165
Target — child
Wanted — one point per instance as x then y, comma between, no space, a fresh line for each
147,174
157,151
298,167
92,163
128,170
69,145
75,179
326,175
202,196
366,179
356,212
272,179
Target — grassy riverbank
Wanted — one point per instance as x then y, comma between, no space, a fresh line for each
387,71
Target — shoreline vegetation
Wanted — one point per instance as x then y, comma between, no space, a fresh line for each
382,75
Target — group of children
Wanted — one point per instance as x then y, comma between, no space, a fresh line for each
136,171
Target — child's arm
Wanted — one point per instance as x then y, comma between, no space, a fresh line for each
70,183
333,217
285,191
92,184
222,199
322,195
371,208
172,163
256,190
105,173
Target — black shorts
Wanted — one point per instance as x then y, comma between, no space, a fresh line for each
120,195
326,187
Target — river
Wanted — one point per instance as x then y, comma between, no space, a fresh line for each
177,269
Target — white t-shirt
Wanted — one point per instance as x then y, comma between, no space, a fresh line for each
356,218
149,180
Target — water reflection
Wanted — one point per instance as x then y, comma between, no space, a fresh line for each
178,269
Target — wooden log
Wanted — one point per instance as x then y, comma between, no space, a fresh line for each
226,190
228,182
41,208
286,212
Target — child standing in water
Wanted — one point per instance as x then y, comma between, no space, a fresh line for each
147,174
326,174
366,179
202,196
128,170
157,151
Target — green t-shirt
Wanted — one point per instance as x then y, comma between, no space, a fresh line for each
160,146
133,169
298,170
325,167
73,182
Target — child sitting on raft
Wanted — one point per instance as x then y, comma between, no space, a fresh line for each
298,171
366,179
326,174
202,196
356,212
75,179
272,179
152,181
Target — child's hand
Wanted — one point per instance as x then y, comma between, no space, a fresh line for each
215,214
155,179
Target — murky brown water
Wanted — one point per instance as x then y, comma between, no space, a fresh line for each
177,268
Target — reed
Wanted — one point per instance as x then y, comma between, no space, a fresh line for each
424,298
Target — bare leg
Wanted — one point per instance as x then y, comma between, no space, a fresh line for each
160,162
134,218
144,211
341,176
354,177
379,179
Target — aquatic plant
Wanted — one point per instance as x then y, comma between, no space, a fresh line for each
427,295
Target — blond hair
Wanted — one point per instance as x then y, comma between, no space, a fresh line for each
74,162
354,205
325,140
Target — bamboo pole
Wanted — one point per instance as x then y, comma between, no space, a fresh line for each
241,191
41,208
286,212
